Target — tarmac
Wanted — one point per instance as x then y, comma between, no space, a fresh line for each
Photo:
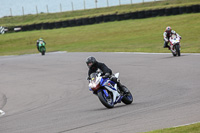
50,94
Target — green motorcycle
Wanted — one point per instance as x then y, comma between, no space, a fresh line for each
41,47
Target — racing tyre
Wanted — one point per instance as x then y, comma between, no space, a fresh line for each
174,54
43,52
106,101
178,50
128,98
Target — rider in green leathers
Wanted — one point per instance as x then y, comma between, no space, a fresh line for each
39,40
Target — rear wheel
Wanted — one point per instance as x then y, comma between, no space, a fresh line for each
106,101
128,98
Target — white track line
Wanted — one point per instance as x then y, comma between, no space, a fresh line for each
142,53
56,52
187,124
155,53
2,113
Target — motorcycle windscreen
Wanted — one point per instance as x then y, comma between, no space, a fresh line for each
41,43
94,82
93,77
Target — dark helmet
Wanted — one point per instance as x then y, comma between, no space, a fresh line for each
91,61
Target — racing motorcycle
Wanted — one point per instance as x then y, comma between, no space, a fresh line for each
108,91
42,48
175,45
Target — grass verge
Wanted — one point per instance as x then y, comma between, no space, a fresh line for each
193,128
142,35
54,17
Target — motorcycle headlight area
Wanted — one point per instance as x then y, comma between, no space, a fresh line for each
93,84
175,42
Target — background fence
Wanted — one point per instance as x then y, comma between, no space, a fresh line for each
108,18
60,6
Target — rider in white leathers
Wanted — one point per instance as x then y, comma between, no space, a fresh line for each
167,34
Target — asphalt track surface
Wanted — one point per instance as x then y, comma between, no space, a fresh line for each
49,94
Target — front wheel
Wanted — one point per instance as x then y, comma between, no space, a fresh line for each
128,98
178,50
174,53
106,101
43,52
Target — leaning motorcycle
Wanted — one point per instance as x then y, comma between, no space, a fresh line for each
175,45
108,91
42,48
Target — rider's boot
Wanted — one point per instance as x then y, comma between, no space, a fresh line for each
166,45
122,88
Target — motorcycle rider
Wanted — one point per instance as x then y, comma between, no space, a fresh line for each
94,65
167,34
38,41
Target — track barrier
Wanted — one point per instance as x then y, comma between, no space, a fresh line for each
109,18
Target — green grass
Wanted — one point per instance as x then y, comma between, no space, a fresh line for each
52,17
142,35
193,128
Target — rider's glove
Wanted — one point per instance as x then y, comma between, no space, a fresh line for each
107,75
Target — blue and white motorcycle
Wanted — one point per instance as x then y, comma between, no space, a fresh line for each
108,91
